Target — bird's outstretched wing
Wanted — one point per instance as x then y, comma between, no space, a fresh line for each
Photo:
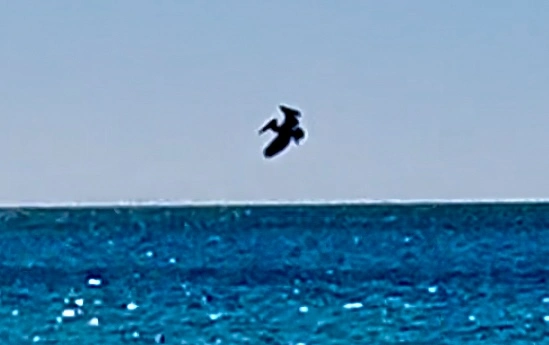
271,125
289,111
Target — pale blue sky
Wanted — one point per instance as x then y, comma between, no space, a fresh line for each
109,100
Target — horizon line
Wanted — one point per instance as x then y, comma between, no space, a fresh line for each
264,202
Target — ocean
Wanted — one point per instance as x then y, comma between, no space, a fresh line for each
425,273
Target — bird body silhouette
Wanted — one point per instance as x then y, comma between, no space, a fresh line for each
288,130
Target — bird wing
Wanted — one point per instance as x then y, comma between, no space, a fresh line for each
272,125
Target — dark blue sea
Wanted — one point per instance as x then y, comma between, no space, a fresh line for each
454,273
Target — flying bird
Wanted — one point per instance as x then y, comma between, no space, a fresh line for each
288,130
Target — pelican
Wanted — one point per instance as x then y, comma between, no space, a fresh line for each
288,130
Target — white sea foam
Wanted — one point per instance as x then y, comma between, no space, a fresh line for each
279,202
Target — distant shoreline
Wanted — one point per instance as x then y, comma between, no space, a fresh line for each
254,203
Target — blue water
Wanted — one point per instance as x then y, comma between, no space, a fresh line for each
374,274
